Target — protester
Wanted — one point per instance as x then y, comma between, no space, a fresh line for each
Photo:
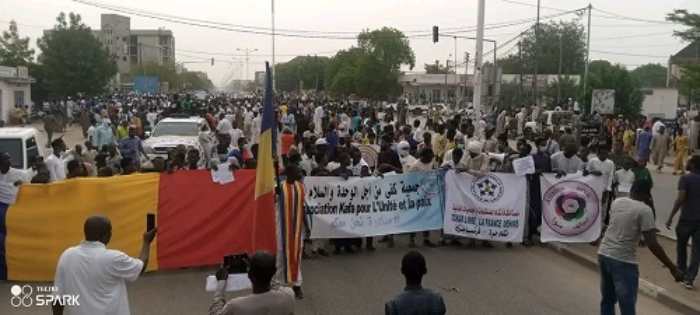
97,274
55,162
630,219
266,299
293,205
688,202
680,148
600,165
660,143
424,164
643,145
415,299
567,162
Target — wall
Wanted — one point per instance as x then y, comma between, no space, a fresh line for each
7,99
660,102
114,35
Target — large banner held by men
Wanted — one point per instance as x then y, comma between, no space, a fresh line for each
488,207
571,208
371,206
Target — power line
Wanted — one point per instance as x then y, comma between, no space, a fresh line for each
632,36
533,5
624,17
626,54
288,32
223,28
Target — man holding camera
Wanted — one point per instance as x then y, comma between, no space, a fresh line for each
264,300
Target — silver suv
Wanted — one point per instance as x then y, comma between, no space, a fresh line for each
171,132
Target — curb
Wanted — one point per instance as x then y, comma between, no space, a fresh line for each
647,288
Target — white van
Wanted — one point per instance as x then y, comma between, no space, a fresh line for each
21,144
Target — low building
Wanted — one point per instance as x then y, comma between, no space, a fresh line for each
689,55
426,88
15,90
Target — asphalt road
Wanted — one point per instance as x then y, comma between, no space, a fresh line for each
472,281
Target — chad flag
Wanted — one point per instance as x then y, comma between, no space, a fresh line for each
264,236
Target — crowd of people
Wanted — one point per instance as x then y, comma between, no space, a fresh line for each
321,137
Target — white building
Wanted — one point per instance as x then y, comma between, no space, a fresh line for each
15,89
130,47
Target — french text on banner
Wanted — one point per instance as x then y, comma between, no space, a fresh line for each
488,207
371,206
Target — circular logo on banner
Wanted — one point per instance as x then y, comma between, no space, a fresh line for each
487,188
570,207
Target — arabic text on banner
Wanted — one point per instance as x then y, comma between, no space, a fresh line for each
371,206
571,208
489,207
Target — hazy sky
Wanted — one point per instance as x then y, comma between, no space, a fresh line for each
624,38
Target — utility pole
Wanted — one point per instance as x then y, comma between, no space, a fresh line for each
247,51
537,50
447,71
521,68
588,51
494,72
561,56
274,78
466,73
456,77
476,101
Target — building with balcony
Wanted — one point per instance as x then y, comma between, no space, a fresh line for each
133,47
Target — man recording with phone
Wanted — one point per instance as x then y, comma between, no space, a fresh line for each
97,274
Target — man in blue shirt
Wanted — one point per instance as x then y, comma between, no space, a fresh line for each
415,300
131,147
644,145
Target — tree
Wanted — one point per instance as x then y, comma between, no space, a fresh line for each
690,20
342,71
604,75
564,90
573,50
650,75
436,68
195,81
690,83
389,46
690,74
14,50
308,70
73,60
371,69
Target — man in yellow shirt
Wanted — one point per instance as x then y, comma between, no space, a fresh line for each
680,148
628,140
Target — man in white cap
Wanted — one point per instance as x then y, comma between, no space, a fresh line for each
403,148
476,161
318,120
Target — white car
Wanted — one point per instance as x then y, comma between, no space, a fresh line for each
20,143
171,132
